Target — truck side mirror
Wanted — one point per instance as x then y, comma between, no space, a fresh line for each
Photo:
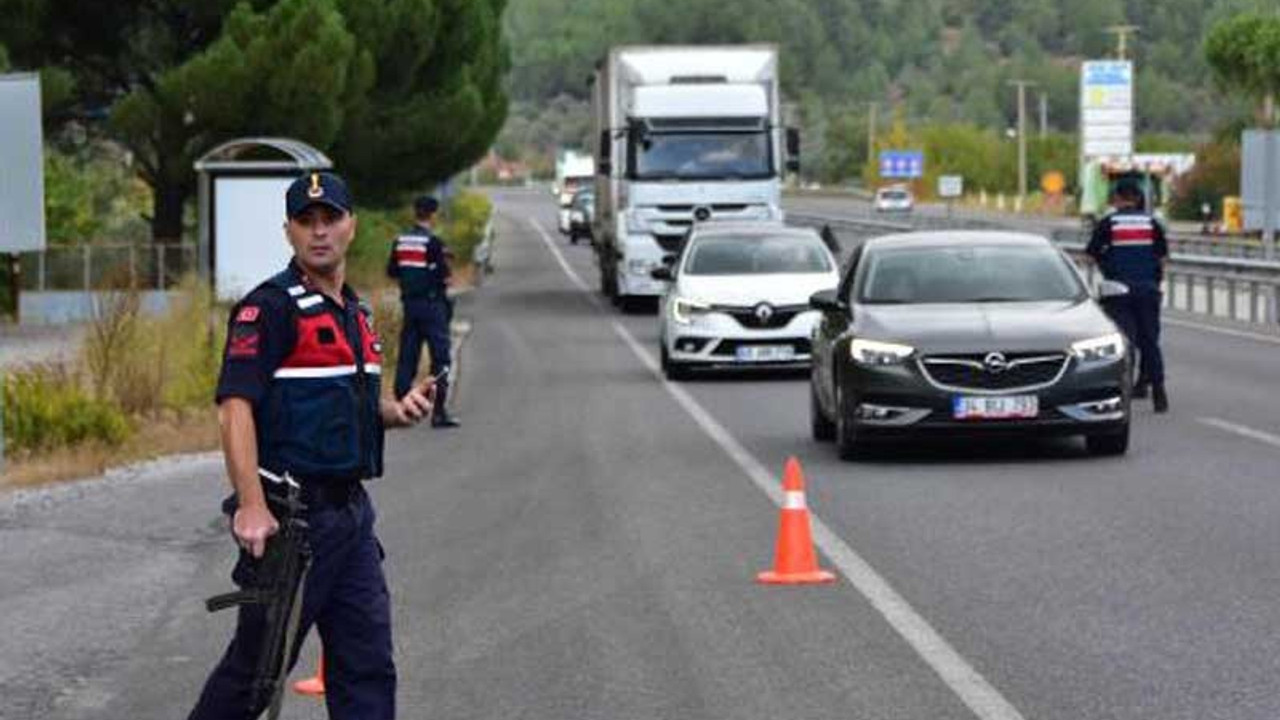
604,166
793,150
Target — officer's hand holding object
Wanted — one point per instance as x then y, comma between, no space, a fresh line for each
252,525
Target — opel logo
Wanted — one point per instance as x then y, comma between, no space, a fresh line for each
763,312
995,363
702,213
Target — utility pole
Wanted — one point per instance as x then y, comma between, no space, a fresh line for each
1022,86
1044,115
871,133
1269,188
1122,33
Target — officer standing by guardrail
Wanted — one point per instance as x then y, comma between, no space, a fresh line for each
299,403
419,261
1130,246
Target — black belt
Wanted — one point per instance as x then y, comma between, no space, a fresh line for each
331,494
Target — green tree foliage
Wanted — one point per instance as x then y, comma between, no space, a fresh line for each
403,93
1215,176
1244,52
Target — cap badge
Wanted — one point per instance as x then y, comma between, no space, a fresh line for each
315,191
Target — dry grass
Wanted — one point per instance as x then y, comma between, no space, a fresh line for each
168,434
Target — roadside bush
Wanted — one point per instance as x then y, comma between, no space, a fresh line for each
1215,176
45,407
465,219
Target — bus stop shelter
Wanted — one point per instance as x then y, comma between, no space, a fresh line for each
241,206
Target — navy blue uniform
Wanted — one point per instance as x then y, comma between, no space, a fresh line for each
1129,247
418,262
311,369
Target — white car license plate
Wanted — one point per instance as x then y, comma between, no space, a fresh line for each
765,353
1008,407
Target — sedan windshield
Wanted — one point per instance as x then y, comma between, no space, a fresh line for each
971,273
756,256
666,156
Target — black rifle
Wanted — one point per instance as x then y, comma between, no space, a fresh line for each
276,581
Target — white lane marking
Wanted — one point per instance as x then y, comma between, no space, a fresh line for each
574,277
1260,337
1242,431
967,683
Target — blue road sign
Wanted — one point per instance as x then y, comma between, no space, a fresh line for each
901,163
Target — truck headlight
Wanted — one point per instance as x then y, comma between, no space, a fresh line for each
686,310
1105,347
873,352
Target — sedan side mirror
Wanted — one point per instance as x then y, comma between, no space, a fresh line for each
827,301
662,273
1110,289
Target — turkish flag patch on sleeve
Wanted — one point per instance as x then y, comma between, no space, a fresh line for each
248,314
243,342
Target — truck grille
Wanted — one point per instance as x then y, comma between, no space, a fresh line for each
994,372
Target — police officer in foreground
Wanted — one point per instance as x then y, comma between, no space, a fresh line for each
419,262
299,394
1130,246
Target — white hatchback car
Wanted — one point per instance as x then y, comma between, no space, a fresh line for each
894,198
739,297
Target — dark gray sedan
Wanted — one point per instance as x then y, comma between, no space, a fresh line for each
966,334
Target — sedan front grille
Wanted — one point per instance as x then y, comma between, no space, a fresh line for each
994,372
753,318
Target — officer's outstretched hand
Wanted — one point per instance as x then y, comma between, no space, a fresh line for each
413,408
252,525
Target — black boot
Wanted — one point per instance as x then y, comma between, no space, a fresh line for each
1160,400
440,418
1141,389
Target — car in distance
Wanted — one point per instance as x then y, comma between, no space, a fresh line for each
894,198
966,334
738,297
582,212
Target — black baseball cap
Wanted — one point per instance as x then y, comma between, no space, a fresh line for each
425,205
317,188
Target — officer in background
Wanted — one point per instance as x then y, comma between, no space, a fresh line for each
419,261
299,394
1130,246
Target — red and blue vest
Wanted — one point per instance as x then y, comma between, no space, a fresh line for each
321,419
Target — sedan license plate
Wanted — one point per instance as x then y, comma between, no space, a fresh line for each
765,353
1009,407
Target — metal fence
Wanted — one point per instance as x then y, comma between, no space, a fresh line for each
104,267
1242,289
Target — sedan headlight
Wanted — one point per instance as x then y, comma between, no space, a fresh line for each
1105,347
873,352
686,310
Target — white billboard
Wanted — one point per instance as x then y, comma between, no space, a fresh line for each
1253,177
248,230
1106,108
21,164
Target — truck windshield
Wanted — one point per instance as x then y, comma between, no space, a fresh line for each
705,156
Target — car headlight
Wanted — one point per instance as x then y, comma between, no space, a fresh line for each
685,310
873,352
1105,347
639,267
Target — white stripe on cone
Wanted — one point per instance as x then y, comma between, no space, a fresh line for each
794,500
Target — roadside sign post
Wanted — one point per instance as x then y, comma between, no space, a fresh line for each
950,187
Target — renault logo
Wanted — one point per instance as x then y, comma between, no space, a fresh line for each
702,213
763,312
995,363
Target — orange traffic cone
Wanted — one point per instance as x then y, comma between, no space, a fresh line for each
312,685
794,561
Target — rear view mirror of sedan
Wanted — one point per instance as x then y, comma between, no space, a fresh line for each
1108,289
661,273
827,301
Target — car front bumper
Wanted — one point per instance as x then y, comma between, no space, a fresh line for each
714,339
899,401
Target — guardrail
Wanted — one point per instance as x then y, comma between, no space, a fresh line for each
1242,289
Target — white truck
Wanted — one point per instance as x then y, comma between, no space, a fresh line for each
684,135
574,171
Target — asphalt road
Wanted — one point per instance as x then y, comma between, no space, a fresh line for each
584,547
